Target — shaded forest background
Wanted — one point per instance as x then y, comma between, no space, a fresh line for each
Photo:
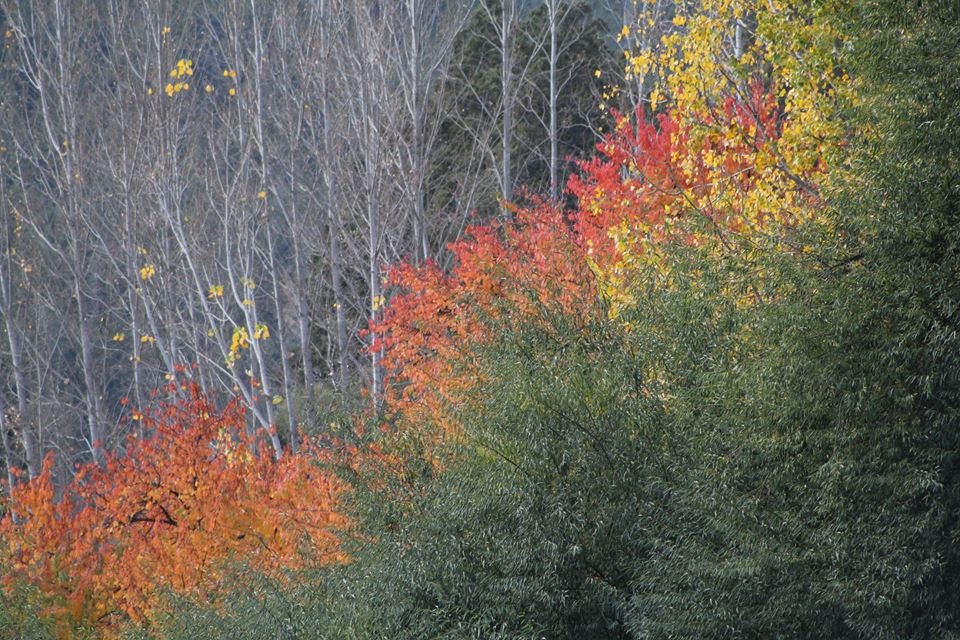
182,180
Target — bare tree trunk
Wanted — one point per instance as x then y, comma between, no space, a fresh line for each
7,445
31,447
339,296
554,19
289,398
373,222
426,30
506,25
417,107
507,37
94,410
333,202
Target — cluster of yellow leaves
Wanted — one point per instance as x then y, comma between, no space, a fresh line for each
240,340
180,73
215,291
232,75
147,271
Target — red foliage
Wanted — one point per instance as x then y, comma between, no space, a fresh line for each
648,173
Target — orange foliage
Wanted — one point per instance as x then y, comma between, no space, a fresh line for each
503,273
167,514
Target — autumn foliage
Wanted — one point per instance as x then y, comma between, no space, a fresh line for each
503,270
726,170
706,182
166,515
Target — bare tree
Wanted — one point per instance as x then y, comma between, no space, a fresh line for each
505,17
9,229
421,38
370,89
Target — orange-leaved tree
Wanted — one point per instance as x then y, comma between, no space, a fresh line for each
167,515
504,271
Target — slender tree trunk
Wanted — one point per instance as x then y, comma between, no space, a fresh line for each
344,374
289,398
303,316
373,218
421,249
7,445
333,213
89,374
552,6
31,448
507,91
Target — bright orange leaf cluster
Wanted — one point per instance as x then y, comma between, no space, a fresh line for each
652,173
503,272
166,515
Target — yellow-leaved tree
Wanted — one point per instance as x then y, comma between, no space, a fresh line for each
752,94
